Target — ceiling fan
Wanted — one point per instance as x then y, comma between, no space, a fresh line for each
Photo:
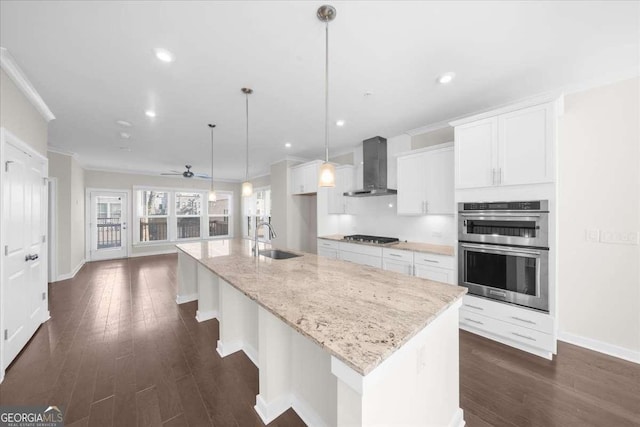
187,174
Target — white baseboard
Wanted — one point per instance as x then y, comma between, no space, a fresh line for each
458,419
71,275
225,349
202,316
600,346
306,412
270,411
251,353
181,299
151,253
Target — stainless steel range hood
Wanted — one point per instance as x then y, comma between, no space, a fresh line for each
375,169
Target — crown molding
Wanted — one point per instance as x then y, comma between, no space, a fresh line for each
428,128
16,74
63,152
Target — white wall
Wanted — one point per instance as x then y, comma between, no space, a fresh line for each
20,116
124,181
69,212
599,189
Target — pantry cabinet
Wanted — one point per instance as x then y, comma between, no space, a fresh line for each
425,182
514,148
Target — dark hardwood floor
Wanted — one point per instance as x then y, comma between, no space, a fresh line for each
118,351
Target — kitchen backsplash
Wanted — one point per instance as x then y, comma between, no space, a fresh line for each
377,216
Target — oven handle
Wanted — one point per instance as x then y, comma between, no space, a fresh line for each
504,213
503,217
495,248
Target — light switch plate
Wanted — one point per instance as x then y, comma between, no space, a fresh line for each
619,237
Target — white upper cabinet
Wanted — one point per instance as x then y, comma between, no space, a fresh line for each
514,148
476,153
304,178
525,146
425,182
337,202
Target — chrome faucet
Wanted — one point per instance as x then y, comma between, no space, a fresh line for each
272,235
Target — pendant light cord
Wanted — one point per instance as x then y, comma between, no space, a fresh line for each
211,158
247,164
326,95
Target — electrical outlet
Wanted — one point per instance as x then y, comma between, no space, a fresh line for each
619,237
592,235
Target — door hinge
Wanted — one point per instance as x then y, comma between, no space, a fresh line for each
6,334
44,296
6,165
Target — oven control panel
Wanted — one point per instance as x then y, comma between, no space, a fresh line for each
505,206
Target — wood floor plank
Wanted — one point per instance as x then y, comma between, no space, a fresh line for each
118,351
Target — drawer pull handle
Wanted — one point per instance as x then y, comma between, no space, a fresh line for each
396,255
523,320
431,260
474,321
524,336
473,306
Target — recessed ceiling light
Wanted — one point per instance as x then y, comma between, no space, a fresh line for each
123,123
164,55
446,78
125,135
340,123
287,145
150,113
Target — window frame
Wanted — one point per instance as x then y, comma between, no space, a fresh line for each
172,217
246,233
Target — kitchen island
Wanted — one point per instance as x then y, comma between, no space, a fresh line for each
340,343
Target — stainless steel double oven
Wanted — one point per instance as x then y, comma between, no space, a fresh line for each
503,251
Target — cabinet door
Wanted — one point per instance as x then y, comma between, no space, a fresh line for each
525,146
329,253
411,185
311,178
373,261
337,202
403,267
436,274
297,181
476,153
438,166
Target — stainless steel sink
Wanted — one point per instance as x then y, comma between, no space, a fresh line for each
277,254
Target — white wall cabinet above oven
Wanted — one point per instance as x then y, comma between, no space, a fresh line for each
425,182
513,148
304,178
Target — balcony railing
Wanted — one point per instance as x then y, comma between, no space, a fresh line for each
188,228
109,233
152,229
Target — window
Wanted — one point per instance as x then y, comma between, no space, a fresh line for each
165,215
152,210
257,207
219,215
188,212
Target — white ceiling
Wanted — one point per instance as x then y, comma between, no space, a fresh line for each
93,64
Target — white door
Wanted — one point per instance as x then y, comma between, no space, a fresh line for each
525,146
476,153
108,225
411,185
24,280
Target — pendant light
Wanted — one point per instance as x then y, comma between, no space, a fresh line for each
212,191
247,187
327,177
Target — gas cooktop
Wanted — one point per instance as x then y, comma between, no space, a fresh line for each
371,239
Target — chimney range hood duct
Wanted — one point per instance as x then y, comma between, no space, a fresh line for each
375,169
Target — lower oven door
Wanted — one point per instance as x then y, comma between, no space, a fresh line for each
506,273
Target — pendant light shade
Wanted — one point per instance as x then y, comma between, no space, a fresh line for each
327,176
212,191
247,187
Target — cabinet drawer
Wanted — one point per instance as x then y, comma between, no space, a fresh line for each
370,260
397,255
506,330
329,244
442,261
512,314
328,252
361,249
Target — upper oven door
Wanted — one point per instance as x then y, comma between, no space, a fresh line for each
521,229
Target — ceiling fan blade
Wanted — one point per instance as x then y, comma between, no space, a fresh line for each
172,174
203,176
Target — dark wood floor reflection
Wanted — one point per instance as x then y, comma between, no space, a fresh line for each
118,351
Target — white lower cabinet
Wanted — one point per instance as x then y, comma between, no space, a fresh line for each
510,324
397,260
436,274
328,253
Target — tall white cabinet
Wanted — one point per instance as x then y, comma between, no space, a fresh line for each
514,148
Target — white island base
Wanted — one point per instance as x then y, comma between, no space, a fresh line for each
418,385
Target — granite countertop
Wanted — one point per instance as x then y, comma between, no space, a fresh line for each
359,314
405,246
